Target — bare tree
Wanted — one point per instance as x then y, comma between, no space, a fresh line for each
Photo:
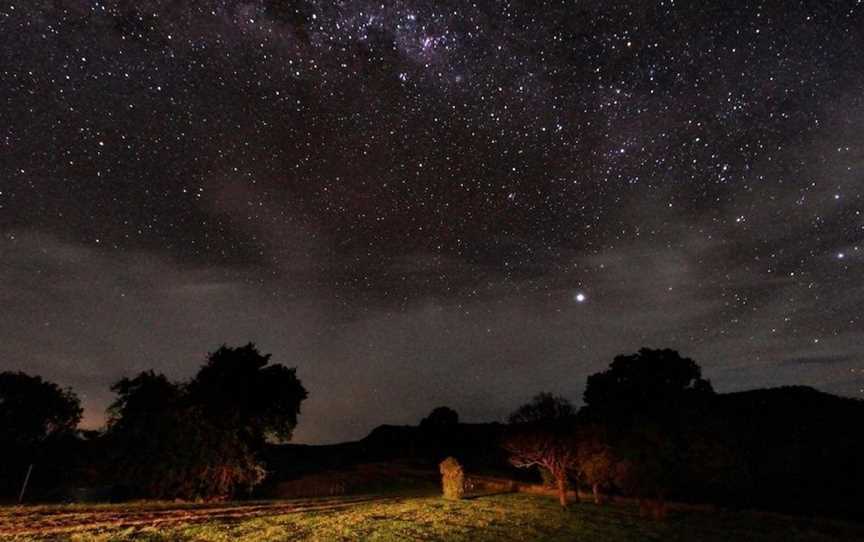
547,446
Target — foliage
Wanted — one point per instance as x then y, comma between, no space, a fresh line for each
551,446
37,425
33,410
599,466
648,403
202,439
543,407
652,381
542,437
151,434
164,448
237,389
440,419
547,479
452,479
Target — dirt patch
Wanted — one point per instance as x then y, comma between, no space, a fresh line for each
56,521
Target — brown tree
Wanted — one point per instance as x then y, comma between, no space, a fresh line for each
597,462
549,446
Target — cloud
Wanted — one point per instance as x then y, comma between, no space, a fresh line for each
826,359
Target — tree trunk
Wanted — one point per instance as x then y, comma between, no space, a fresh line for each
660,508
598,498
562,490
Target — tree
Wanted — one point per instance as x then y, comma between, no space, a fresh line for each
656,380
543,407
599,466
151,432
36,416
440,419
239,389
647,403
203,439
551,446
33,410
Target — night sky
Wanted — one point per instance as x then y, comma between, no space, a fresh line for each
434,202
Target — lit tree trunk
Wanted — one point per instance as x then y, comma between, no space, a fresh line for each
562,492
561,479
595,488
660,508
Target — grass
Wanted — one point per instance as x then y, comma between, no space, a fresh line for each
508,517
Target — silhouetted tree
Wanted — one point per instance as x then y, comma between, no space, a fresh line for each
441,418
203,439
551,445
547,409
649,402
599,466
543,407
34,416
238,389
656,380
151,430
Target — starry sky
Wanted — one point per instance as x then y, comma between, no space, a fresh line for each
431,202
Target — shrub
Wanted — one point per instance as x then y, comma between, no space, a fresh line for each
452,479
547,479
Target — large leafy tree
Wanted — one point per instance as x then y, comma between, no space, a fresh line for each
648,403
441,419
33,410
151,429
238,389
649,381
203,438
36,417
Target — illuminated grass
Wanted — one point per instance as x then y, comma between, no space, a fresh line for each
496,518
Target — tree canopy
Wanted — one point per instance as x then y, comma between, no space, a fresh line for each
203,438
33,410
237,387
543,407
440,419
552,446
649,379
647,404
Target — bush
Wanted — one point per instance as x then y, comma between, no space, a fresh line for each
452,479
547,479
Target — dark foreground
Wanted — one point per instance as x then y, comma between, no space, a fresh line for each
500,517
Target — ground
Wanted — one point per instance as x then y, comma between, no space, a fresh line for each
493,518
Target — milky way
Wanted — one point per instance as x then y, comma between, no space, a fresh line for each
431,202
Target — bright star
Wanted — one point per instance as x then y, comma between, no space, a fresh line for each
580,297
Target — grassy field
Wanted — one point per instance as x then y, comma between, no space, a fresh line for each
499,518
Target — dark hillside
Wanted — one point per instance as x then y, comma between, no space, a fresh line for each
802,449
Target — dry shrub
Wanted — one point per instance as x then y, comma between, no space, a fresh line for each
452,479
